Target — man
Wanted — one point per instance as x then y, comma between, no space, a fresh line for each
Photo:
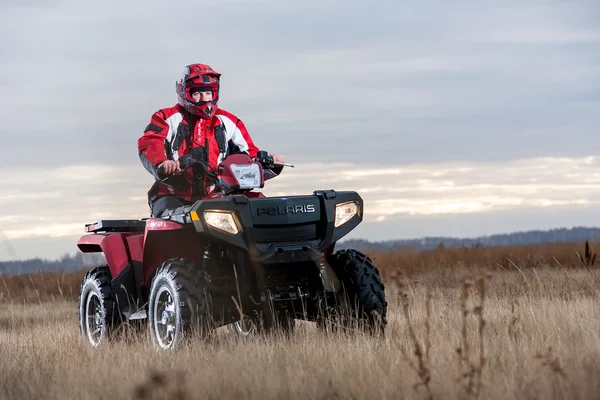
197,126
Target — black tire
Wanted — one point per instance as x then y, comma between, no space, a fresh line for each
98,313
182,287
362,301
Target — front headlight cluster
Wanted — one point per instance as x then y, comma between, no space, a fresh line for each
344,212
222,220
227,222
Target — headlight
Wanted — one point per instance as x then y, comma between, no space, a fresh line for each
248,176
222,220
344,212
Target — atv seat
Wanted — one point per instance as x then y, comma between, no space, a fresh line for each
117,225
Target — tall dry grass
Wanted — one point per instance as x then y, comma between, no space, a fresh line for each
518,323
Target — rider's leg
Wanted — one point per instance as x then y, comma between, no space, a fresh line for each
166,202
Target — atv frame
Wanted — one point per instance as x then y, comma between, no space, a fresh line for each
233,256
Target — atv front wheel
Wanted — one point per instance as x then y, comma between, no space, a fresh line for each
97,306
362,299
178,302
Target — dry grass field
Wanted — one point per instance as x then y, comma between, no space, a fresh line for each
489,323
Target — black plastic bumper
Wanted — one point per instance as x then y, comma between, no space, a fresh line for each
281,229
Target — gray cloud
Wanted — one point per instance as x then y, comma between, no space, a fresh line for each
473,78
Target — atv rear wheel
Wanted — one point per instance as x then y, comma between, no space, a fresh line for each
362,300
97,306
178,302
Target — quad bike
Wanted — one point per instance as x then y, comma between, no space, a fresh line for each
235,256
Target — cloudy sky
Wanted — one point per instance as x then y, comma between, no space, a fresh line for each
465,118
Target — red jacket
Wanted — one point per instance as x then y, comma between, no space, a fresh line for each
174,132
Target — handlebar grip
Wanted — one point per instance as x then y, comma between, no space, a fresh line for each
185,162
262,154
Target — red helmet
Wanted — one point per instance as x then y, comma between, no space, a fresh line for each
198,77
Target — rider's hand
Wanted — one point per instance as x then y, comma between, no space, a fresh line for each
277,158
169,166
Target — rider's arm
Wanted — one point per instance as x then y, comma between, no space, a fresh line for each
151,145
238,139
241,135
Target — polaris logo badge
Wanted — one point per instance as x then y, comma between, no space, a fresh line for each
299,209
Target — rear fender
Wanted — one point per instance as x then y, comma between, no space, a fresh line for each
114,247
123,253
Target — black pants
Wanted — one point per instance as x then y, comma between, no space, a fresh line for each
167,202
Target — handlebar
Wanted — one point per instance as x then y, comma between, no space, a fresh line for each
267,160
187,161
283,164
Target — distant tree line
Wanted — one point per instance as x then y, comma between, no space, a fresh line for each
87,260
508,239
65,263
